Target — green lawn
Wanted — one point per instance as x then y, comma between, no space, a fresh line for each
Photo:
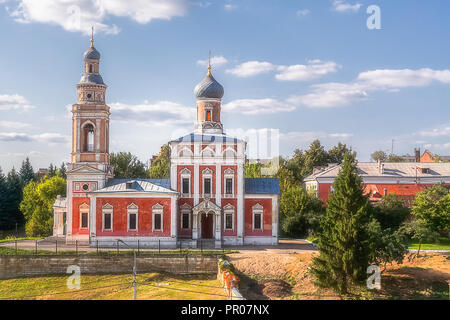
151,286
442,244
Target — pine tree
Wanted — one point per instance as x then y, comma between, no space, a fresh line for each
26,172
62,171
12,214
343,241
51,171
3,195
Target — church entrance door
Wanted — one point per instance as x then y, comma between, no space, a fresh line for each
207,226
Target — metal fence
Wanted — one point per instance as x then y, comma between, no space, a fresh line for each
55,246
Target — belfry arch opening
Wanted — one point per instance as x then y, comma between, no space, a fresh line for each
88,138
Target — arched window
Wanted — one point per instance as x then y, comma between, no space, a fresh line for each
90,69
208,115
88,132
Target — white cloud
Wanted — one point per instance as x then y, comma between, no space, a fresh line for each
342,6
306,136
300,72
216,61
80,15
257,106
14,124
303,13
404,77
52,138
439,146
437,132
331,95
230,7
338,94
251,68
162,113
14,102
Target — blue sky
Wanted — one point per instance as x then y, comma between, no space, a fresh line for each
309,68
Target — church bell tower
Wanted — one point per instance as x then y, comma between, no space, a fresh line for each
90,167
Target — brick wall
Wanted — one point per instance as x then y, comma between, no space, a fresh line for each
39,265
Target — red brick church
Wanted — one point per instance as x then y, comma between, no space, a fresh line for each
207,196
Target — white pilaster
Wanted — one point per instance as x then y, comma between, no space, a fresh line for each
240,203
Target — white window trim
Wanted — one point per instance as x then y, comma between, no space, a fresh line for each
132,209
207,174
158,209
258,209
107,209
185,174
180,153
84,208
185,209
228,209
228,174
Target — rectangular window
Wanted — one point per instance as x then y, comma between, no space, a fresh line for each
185,189
107,221
228,185
257,223
208,115
132,221
185,220
84,220
157,221
207,186
229,221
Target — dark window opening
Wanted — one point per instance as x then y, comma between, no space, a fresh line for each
88,133
129,185
132,223
107,225
185,188
228,185
84,220
257,223
185,221
158,220
90,68
207,186
229,221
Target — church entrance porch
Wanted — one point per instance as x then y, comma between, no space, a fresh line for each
207,222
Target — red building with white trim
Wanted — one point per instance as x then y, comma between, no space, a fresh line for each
206,198
404,179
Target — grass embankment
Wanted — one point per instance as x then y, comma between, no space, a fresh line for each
150,286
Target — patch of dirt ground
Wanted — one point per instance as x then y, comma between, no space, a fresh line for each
272,275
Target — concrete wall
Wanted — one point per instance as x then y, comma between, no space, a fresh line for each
38,265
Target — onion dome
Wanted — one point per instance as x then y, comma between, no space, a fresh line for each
209,88
92,54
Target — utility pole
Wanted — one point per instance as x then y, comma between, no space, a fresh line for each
134,270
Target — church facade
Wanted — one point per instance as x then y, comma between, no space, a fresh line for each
207,196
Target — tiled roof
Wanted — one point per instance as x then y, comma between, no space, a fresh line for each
137,185
193,137
262,186
402,169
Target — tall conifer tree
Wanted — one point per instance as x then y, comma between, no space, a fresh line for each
26,172
343,241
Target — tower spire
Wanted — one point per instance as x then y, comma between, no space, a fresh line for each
92,37
209,64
